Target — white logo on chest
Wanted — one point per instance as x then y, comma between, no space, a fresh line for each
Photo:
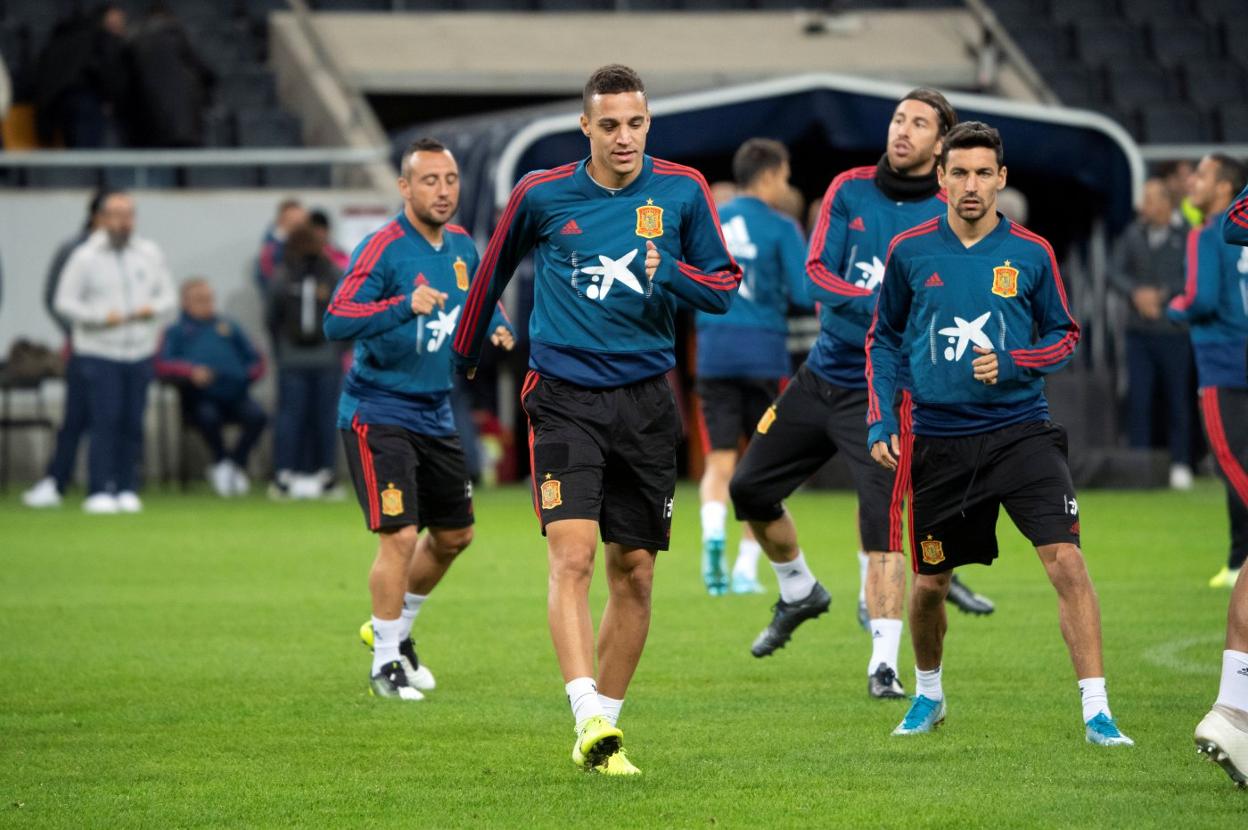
603,277
962,334
872,274
442,327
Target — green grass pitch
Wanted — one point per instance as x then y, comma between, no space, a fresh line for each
197,666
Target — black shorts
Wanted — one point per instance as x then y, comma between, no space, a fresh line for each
731,408
808,424
608,455
960,483
404,478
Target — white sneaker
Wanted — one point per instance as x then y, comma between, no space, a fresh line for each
128,502
240,484
1223,737
43,494
305,487
221,476
100,504
1180,477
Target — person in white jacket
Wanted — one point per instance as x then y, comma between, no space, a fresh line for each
115,288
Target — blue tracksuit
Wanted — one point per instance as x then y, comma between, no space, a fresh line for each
402,371
218,343
846,266
939,299
1235,225
598,322
1215,304
749,340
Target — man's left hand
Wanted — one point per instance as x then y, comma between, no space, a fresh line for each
985,367
503,338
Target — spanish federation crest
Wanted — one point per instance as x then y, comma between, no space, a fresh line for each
392,500
649,220
461,274
552,493
1005,280
933,550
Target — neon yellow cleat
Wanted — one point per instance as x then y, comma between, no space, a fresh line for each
1224,578
596,740
617,763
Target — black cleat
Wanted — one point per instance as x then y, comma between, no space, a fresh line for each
883,684
967,601
787,617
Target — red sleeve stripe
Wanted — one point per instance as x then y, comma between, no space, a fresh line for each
819,237
174,368
1193,271
457,229
718,280
342,304
506,316
1050,356
1022,233
873,401
485,271
1239,212
256,370
825,279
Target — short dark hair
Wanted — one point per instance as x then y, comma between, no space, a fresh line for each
937,101
755,157
318,219
1231,170
971,134
420,145
611,79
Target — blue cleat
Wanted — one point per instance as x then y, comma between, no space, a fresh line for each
713,574
864,619
924,716
1102,731
742,584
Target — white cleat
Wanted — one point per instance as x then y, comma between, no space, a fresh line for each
43,494
221,477
421,678
1222,737
128,502
100,504
240,484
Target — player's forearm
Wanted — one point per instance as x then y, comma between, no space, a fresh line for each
350,321
711,292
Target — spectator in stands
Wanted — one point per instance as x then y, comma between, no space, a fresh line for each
1148,270
319,220
290,215
48,491
81,79
309,368
214,362
171,83
113,289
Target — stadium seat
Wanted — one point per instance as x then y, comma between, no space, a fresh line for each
1127,119
1135,86
1212,83
1146,11
1176,42
352,5
1047,46
1173,123
251,88
1109,43
1235,36
221,177
1233,121
1218,10
1025,12
303,175
1081,11
576,5
267,128
62,177
219,127
1077,86
129,178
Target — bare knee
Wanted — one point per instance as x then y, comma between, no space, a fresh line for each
633,576
571,563
449,542
401,541
1065,566
930,590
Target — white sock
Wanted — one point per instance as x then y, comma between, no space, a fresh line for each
927,683
885,642
611,709
796,580
747,559
1095,700
386,641
411,607
863,560
714,514
1233,690
583,696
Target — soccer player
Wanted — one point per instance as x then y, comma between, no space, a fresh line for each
742,355
962,295
822,411
1214,307
619,240
1223,733
399,301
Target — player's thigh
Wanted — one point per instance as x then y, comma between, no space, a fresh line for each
1032,473
789,443
640,478
953,514
444,490
721,400
879,498
567,425
382,460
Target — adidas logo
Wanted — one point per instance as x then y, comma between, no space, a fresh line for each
421,280
1243,672
570,228
934,281
857,224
